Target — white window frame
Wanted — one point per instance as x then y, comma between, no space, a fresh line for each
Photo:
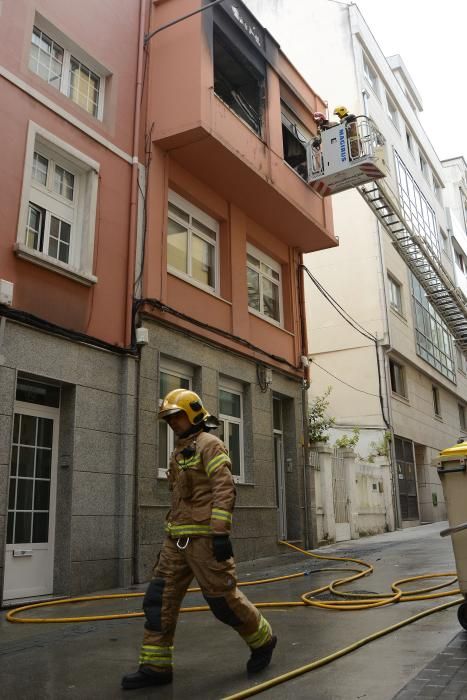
193,212
402,377
371,75
436,401
395,295
233,387
274,265
392,111
86,172
177,369
71,50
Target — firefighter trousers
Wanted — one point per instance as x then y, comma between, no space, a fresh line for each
173,573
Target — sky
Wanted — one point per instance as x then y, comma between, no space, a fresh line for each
431,39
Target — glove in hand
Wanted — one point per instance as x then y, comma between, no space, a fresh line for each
222,547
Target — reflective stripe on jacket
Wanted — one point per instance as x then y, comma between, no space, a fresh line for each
203,490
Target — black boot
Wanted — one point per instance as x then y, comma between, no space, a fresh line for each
145,677
261,657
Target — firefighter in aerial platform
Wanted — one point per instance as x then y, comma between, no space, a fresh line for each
197,545
353,138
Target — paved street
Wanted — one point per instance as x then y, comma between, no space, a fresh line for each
86,660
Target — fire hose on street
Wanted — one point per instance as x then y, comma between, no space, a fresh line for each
343,601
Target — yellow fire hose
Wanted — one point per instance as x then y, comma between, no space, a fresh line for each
347,601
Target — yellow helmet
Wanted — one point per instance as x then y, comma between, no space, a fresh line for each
183,400
341,112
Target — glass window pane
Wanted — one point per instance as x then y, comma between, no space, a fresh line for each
252,261
44,432
84,86
43,463
16,428
202,262
253,290
169,382
53,247
64,182
40,532
203,228
177,246
35,392
163,444
41,495
23,528
178,212
271,299
26,461
221,431
34,227
12,494
24,494
28,430
234,447
14,460
39,168
229,404
277,414
10,527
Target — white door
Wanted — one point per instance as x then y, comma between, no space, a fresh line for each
29,555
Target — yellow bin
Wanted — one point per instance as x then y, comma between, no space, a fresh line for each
452,470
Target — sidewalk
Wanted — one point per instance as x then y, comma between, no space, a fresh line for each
86,660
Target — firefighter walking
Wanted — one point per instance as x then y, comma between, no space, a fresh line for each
197,545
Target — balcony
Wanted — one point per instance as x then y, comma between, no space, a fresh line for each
216,92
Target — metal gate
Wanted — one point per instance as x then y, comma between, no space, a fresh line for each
340,497
407,479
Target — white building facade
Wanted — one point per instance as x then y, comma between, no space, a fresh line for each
420,391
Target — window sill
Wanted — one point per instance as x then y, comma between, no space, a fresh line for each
266,318
398,314
399,397
195,283
33,256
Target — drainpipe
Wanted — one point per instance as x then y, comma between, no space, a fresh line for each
131,255
131,269
309,502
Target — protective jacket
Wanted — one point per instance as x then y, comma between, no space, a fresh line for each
203,491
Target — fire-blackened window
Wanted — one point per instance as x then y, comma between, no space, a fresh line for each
237,81
294,139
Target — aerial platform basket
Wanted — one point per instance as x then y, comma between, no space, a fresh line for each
350,154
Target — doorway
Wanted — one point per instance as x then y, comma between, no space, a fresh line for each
279,461
29,552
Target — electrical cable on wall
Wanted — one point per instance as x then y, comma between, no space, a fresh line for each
360,329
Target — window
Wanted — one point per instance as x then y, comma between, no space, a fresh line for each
395,294
59,66
238,82
58,207
415,206
437,188
264,285
172,375
461,417
397,378
231,428
294,139
370,74
192,239
436,403
392,111
445,243
459,261
423,165
433,340
409,139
